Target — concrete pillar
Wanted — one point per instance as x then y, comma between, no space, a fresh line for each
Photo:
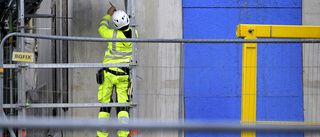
311,70
159,64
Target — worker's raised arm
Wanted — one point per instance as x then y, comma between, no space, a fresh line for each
111,10
104,31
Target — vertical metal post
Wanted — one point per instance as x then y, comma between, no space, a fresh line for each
181,89
129,7
10,56
1,84
134,64
22,23
60,79
20,75
126,6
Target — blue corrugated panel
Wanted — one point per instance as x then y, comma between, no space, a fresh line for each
279,85
213,71
242,3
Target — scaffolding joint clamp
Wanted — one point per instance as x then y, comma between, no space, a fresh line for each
27,106
23,66
133,63
132,104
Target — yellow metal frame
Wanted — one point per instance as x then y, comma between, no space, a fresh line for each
278,31
249,64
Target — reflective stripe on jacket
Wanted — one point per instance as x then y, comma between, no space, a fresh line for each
117,52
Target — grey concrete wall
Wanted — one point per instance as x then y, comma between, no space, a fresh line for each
44,77
158,64
311,70
43,26
86,16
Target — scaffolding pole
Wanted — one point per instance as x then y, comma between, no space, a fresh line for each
212,126
21,72
69,105
66,65
1,87
94,39
134,64
181,89
10,61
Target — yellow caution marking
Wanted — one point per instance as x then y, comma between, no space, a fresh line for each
1,71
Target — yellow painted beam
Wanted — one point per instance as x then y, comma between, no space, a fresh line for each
258,30
278,31
249,76
248,134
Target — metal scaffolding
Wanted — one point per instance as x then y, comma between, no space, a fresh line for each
25,12
98,65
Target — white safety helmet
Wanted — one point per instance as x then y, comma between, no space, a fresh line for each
120,19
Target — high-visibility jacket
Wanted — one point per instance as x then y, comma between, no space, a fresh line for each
117,52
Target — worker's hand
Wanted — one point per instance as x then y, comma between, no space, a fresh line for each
111,10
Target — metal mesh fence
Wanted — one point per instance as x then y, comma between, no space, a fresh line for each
72,110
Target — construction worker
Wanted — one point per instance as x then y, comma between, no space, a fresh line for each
117,52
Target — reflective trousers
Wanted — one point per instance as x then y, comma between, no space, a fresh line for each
121,83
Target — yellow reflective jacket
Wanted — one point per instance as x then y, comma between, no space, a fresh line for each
117,52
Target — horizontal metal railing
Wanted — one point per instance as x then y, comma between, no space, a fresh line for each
69,105
66,65
140,40
94,124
